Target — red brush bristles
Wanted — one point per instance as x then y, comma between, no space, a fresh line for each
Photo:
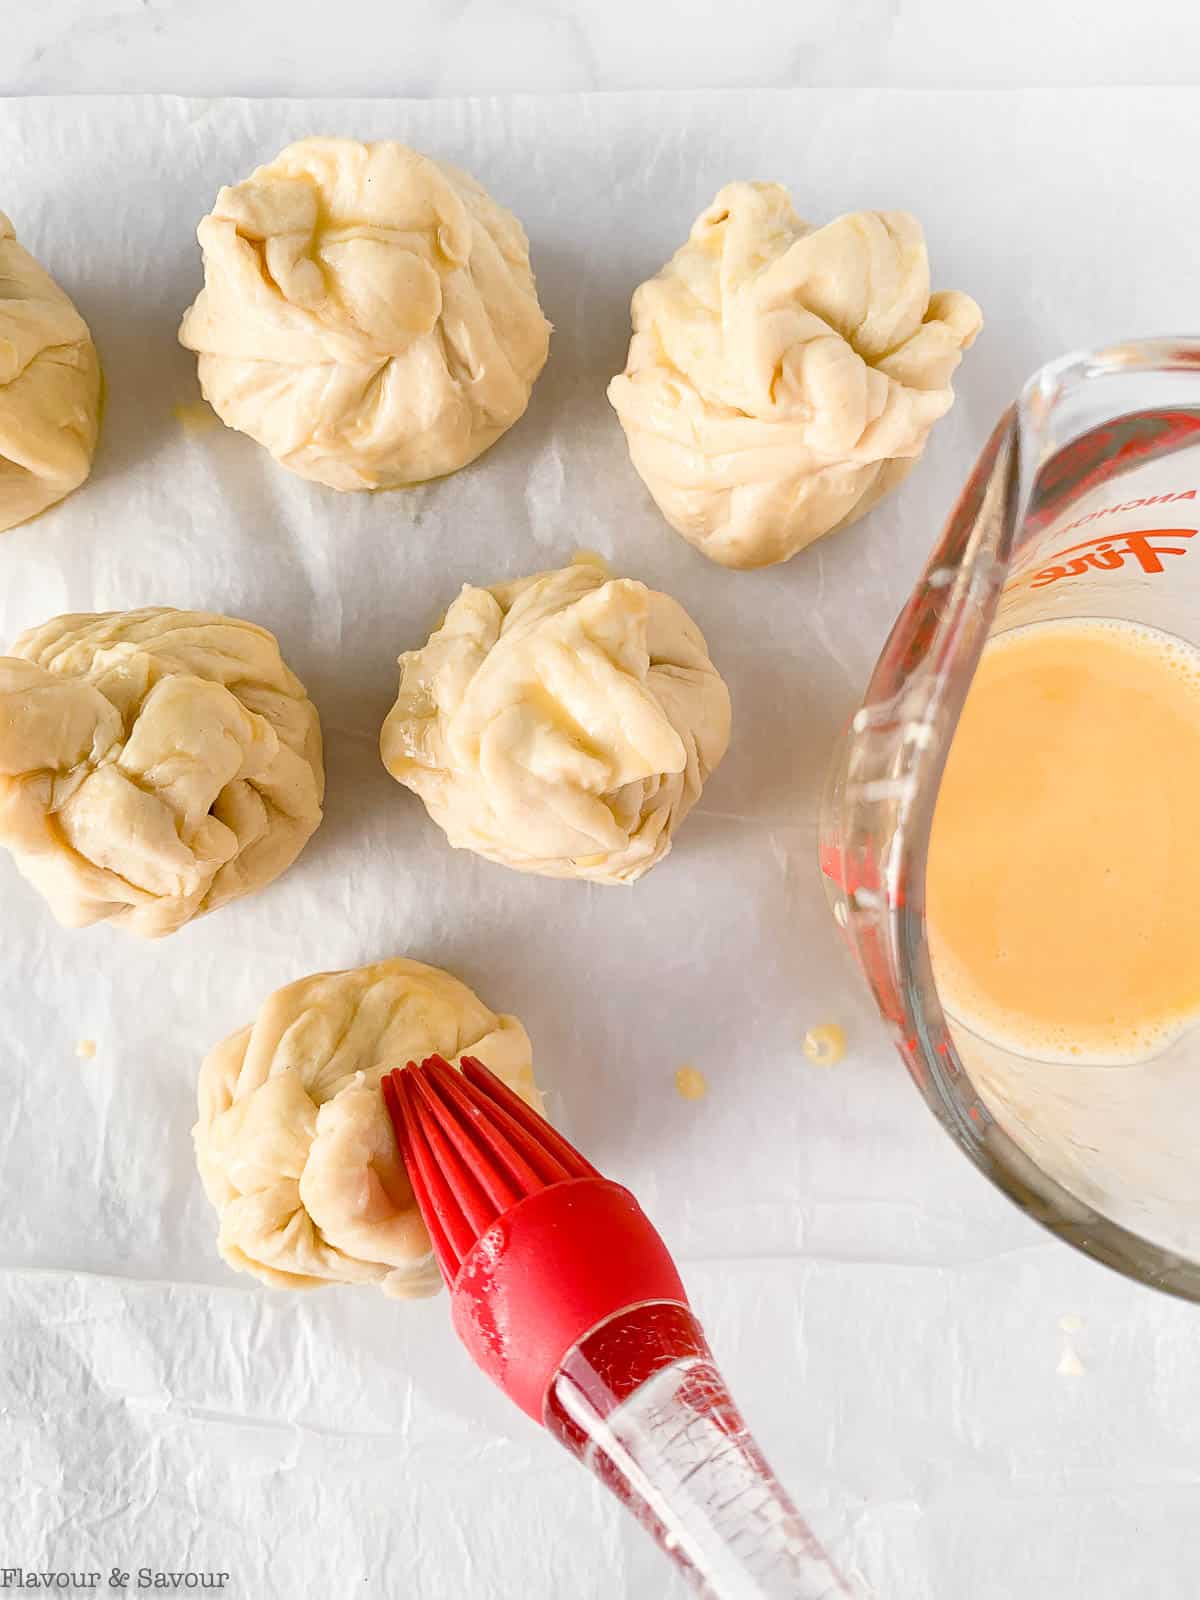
473,1150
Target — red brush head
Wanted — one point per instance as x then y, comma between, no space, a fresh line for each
473,1149
536,1247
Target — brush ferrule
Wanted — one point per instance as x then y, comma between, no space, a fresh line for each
549,1271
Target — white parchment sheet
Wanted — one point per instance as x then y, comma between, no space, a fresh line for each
890,1324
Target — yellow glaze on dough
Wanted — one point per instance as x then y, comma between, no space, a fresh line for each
293,1141
781,379
49,387
368,314
564,724
153,765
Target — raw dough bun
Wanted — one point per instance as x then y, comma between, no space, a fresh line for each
153,765
563,724
781,379
49,388
294,1145
368,314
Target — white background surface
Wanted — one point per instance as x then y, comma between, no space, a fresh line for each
455,47
890,1325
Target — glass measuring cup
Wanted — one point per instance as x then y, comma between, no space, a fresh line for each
1084,503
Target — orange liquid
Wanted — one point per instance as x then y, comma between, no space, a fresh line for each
1063,886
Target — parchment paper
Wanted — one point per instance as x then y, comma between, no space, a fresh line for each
890,1324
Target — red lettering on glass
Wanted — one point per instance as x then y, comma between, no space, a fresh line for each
1110,551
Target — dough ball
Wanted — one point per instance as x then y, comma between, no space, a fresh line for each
368,314
153,765
782,378
294,1144
564,724
49,388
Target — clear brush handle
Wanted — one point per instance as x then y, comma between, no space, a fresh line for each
641,1403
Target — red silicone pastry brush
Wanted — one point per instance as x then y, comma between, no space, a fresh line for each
565,1295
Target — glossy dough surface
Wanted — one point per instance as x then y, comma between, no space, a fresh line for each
153,764
49,387
368,314
293,1143
563,724
782,378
